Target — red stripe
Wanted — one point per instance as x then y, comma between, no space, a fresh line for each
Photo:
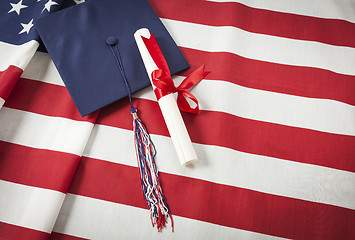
13,232
44,98
216,203
61,236
330,31
8,79
295,80
246,135
37,167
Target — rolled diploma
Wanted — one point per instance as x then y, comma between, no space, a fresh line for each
169,108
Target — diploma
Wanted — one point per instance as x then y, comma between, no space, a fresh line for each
168,106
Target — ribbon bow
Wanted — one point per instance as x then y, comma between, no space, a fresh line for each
165,85
163,82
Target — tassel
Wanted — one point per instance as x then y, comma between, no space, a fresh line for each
145,151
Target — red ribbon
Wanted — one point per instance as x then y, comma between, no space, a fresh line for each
163,82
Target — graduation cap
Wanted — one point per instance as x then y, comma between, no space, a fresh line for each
78,40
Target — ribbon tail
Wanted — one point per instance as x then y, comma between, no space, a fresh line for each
194,78
184,104
155,52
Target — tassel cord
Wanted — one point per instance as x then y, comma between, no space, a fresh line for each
119,63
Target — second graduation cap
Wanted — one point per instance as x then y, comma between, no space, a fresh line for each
76,39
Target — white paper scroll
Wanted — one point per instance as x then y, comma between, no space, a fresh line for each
169,108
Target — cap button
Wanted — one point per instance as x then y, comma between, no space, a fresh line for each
111,41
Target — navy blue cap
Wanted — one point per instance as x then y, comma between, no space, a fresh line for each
78,40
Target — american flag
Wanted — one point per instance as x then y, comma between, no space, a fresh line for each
275,137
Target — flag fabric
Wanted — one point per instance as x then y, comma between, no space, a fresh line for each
275,137
42,137
18,39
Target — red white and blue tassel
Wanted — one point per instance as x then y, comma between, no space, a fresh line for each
145,151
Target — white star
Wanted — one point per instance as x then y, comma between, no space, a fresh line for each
48,5
17,7
26,27
79,1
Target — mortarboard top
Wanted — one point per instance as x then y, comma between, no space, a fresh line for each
76,41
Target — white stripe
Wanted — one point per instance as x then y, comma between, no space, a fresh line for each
311,113
29,207
231,167
333,9
2,101
16,55
44,132
262,47
42,68
96,219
